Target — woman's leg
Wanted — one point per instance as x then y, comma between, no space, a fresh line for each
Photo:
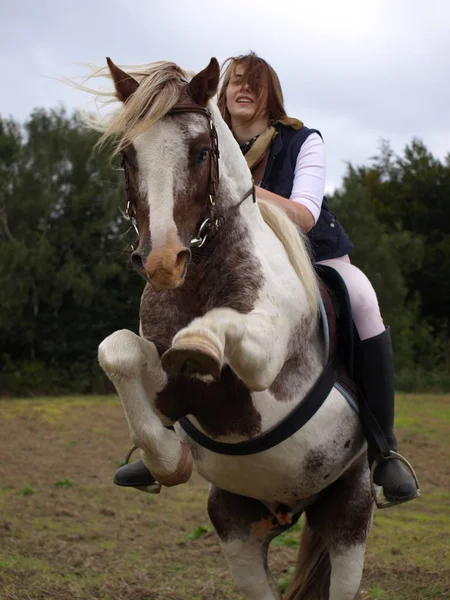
364,301
374,372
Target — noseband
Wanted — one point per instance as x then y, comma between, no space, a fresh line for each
213,220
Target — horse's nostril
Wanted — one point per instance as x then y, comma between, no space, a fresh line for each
136,261
182,260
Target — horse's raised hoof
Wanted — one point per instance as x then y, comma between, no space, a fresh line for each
193,355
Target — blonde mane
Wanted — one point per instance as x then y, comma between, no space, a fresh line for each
296,246
160,88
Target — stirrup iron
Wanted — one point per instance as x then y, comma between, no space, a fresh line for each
381,501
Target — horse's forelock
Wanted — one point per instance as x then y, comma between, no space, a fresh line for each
161,85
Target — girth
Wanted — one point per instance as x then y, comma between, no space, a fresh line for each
280,432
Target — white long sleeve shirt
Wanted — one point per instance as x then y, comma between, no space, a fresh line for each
309,179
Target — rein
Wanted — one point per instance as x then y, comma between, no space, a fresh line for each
214,220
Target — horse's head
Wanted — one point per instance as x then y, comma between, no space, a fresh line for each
171,166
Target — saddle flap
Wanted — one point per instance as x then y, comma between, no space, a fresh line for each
339,314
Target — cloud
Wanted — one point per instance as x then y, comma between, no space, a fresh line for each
357,71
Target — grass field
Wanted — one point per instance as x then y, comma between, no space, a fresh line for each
67,532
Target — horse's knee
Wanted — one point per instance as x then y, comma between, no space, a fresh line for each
120,355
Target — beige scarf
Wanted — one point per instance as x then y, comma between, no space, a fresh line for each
257,152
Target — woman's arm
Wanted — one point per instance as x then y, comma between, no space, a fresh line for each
303,207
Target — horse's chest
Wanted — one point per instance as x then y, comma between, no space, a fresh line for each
162,316
224,407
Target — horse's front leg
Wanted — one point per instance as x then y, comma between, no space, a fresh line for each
133,365
254,345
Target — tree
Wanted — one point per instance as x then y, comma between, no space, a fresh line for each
411,194
64,283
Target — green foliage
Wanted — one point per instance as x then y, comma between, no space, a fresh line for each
289,538
64,284
283,582
64,483
411,380
376,591
27,490
198,532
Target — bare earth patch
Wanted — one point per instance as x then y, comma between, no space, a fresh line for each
67,532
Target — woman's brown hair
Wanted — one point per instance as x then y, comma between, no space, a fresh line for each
262,79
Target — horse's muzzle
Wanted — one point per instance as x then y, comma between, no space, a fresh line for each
165,268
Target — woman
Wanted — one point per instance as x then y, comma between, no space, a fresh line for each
287,161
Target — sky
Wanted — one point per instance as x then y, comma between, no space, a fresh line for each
358,71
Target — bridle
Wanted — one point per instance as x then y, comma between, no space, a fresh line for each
213,220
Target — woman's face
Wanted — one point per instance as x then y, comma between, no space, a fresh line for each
241,100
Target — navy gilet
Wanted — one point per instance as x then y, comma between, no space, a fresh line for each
328,238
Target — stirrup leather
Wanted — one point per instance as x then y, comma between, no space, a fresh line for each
154,488
380,500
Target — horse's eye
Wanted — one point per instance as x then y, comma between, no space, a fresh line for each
203,155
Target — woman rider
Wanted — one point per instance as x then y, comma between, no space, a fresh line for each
287,160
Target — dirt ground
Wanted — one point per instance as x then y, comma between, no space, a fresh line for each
67,532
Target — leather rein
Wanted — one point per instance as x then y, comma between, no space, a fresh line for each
213,220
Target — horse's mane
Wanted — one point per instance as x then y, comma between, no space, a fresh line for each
160,88
296,246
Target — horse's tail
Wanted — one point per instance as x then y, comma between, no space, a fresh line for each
311,580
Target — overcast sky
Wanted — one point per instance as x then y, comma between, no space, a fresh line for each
357,70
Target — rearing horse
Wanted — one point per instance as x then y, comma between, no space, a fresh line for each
230,337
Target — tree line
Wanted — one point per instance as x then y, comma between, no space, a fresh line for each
65,281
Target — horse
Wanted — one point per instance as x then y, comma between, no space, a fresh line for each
230,343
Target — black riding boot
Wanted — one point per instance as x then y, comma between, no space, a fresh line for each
136,475
374,373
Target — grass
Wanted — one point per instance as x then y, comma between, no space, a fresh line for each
27,490
67,532
64,483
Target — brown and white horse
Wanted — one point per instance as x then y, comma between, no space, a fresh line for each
230,336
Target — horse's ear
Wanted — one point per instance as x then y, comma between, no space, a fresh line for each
125,84
204,85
